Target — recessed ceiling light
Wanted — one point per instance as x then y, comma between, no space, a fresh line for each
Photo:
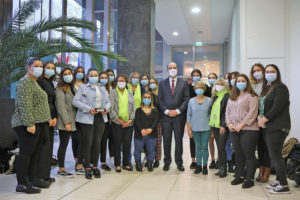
185,52
195,10
175,33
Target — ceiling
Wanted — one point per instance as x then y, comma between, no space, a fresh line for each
210,26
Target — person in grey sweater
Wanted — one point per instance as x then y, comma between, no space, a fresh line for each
66,116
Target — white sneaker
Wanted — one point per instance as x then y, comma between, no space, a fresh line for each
280,189
273,185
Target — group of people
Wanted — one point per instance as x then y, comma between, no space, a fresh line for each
99,110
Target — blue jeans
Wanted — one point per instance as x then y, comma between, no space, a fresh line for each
139,144
201,139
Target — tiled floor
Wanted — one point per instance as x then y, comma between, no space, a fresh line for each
153,186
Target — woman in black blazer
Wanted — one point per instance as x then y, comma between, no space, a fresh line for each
276,119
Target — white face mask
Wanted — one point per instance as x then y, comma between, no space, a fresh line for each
257,75
219,88
121,85
173,72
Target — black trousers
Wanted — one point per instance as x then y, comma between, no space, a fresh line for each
192,148
29,145
244,144
122,137
45,154
104,142
77,145
169,125
221,140
64,137
275,142
92,135
110,142
262,150
51,136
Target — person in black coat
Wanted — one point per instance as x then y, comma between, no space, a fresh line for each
46,83
276,119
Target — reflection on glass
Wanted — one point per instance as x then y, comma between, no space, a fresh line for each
183,56
99,22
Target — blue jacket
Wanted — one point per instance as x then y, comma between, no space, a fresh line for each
84,100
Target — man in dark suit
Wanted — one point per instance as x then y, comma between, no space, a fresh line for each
173,98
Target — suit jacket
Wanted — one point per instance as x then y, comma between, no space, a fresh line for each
180,99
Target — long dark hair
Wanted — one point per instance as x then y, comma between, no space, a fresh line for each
114,83
107,86
252,79
230,78
76,71
235,92
266,88
196,71
66,87
45,65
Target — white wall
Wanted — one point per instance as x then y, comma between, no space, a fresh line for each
270,33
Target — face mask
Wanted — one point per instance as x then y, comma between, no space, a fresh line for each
103,81
232,82
152,86
79,76
199,91
121,85
257,75
241,85
135,81
173,72
68,78
49,72
219,88
58,70
93,80
111,78
37,71
271,77
211,81
147,101
144,82
196,78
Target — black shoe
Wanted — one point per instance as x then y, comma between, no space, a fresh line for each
150,166
198,169
166,167
248,184
205,171
105,167
50,179
96,173
139,167
39,183
146,164
180,168
193,165
223,172
218,173
237,181
230,166
118,170
212,165
217,165
88,174
27,188
156,164
128,168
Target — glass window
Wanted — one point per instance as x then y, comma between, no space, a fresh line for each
114,4
56,11
183,56
45,15
158,72
99,34
113,26
99,4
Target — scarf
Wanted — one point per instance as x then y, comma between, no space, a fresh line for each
215,116
137,95
123,104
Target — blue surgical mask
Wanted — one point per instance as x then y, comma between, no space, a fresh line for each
103,81
37,71
79,76
144,82
241,85
68,78
211,81
152,86
199,92
196,78
135,81
93,80
111,78
147,101
232,82
257,75
271,77
49,72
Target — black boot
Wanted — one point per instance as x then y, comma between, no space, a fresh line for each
198,169
230,166
88,174
139,167
212,165
217,165
156,164
204,170
218,173
96,173
150,166
223,171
